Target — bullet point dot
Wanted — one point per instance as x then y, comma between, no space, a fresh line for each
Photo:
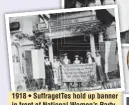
29,95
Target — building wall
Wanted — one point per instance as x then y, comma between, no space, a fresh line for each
27,24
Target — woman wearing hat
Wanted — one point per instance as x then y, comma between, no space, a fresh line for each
77,61
57,73
49,73
90,59
66,60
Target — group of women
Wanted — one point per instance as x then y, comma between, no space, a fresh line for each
53,70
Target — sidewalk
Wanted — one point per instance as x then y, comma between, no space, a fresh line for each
111,84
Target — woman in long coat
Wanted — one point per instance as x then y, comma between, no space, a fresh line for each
49,74
57,73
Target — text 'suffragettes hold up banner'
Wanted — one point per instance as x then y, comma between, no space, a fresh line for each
67,98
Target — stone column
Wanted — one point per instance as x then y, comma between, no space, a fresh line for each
101,37
50,49
92,44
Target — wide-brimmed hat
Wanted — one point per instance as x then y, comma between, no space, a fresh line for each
65,54
76,56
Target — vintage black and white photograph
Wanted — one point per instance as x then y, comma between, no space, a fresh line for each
65,50
86,3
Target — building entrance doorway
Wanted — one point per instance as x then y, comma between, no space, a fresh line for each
77,45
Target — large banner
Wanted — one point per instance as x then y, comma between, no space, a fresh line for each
78,72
